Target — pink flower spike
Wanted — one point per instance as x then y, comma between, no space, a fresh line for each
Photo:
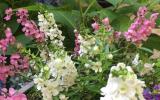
142,27
95,26
105,21
30,28
9,13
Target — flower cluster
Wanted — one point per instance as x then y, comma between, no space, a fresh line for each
59,69
62,68
9,39
142,27
12,95
9,13
29,27
89,47
49,27
122,84
17,62
63,73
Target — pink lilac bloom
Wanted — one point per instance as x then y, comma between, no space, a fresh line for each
141,29
14,60
23,15
9,13
95,26
77,43
2,59
4,72
29,26
19,62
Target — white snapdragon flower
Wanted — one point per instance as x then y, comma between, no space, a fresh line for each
123,88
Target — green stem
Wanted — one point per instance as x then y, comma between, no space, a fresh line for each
91,4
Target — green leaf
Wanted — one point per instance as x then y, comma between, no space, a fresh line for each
13,25
67,18
93,88
121,23
114,2
128,9
3,6
64,17
23,39
104,13
153,42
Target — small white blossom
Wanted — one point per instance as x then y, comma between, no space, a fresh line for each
110,56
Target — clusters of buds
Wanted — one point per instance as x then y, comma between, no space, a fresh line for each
9,13
29,27
9,39
17,63
142,27
105,21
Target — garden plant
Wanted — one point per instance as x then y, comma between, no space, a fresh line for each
79,50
